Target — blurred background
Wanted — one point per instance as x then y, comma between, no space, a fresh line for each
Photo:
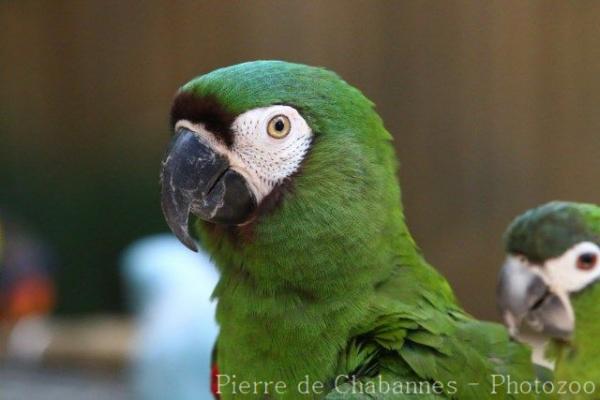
493,106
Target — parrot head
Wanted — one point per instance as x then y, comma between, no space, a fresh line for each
251,136
553,261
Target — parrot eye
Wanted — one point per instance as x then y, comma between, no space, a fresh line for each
279,127
586,261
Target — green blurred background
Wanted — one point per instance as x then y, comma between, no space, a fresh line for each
493,106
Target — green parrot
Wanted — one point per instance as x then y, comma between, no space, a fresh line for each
291,177
549,291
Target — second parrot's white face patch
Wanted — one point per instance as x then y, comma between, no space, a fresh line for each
575,269
269,144
568,273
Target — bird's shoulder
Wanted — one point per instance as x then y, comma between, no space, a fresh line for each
425,342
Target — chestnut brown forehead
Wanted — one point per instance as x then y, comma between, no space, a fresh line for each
206,110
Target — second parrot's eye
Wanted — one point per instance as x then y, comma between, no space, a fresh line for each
279,127
586,261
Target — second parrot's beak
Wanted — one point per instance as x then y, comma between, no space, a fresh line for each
196,179
525,298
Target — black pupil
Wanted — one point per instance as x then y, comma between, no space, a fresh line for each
588,258
279,125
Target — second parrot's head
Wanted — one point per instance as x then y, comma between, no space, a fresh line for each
243,135
553,261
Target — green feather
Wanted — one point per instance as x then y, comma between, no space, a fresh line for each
577,360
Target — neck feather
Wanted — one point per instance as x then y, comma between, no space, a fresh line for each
578,359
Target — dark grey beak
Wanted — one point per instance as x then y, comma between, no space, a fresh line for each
196,179
524,298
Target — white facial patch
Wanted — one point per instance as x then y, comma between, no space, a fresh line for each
263,160
563,274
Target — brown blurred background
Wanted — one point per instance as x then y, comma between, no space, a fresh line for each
493,105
